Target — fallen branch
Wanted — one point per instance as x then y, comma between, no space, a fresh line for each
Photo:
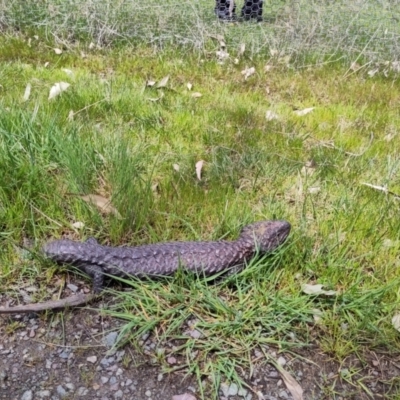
71,301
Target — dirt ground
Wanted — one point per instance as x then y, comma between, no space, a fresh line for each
66,355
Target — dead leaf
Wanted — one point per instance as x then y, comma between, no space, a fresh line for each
247,72
27,92
372,72
46,64
189,86
270,115
317,315
67,71
317,290
58,51
291,383
199,166
222,56
103,204
185,396
300,113
175,167
196,95
163,82
154,99
221,40
57,89
150,83
78,225
396,322
354,66
268,68
242,49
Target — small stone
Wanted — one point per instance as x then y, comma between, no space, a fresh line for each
110,339
82,391
70,386
281,361
72,287
61,391
113,380
242,392
224,388
118,394
43,394
104,379
160,377
171,360
283,394
91,359
148,393
28,395
233,389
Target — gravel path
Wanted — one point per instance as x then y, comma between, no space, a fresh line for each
67,355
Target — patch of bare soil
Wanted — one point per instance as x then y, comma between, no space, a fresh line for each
67,355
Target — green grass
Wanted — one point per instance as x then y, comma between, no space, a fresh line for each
308,170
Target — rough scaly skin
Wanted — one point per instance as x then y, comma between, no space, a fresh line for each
165,258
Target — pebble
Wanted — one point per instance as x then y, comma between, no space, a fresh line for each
148,393
281,361
283,394
28,395
61,391
43,393
110,339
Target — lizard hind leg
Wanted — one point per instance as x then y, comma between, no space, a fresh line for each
96,273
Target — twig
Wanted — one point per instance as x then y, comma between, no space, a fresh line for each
71,301
382,189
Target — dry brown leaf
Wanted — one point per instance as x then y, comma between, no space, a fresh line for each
27,92
67,71
247,72
199,167
222,56
270,115
154,99
78,225
317,290
103,204
221,40
242,49
57,89
396,322
294,388
163,82
300,113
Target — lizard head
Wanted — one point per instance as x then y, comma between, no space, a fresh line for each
266,235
